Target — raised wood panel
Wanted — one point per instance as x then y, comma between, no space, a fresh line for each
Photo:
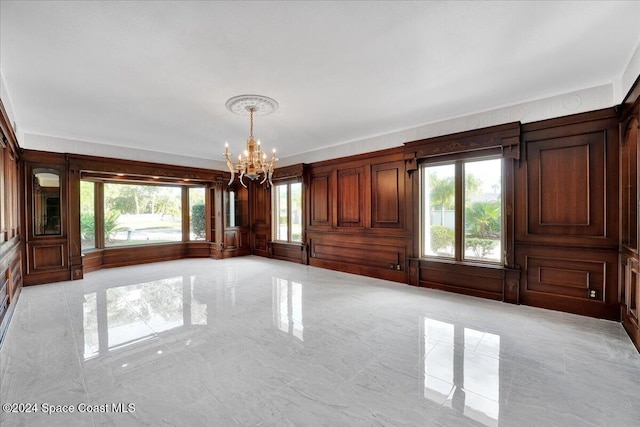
231,239
350,197
197,249
486,282
387,195
47,257
260,208
563,194
117,257
563,278
260,241
319,199
287,252
630,301
92,261
244,238
364,254
567,185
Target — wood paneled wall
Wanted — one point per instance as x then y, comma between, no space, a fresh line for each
52,258
11,278
361,215
629,258
47,256
567,214
356,217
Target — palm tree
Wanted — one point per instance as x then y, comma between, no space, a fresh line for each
483,218
442,191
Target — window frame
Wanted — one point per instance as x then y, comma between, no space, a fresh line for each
459,160
99,211
275,214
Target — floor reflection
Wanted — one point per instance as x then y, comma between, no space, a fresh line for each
287,307
121,316
462,369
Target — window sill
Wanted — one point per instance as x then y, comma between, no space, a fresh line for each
466,263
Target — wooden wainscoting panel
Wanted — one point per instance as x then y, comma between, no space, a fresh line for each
92,261
572,278
260,212
476,280
244,238
567,185
387,195
320,199
199,249
373,256
287,252
260,242
47,256
351,197
117,257
231,239
379,256
582,281
261,203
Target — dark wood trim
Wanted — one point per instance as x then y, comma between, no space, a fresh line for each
132,169
10,140
505,136
289,173
185,223
98,197
389,154
630,102
573,119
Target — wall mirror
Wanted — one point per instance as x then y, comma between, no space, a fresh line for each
46,202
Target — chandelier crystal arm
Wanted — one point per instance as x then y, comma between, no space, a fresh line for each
230,165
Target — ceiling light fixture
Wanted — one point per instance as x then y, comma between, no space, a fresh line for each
253,161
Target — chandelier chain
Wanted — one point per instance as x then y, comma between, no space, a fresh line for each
251,128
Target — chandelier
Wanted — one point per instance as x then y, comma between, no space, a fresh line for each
253,162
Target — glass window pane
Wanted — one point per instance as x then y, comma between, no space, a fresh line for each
87,216
281,219
483,210
141,214
439,210
197,219
296,212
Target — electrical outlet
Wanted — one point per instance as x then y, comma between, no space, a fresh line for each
398,267
593,294
392,266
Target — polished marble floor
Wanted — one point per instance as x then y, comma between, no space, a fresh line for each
251,341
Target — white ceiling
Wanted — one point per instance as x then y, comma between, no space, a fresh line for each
155,75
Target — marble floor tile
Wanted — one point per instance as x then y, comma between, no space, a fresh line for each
252,341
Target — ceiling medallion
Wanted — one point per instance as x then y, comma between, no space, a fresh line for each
253,162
